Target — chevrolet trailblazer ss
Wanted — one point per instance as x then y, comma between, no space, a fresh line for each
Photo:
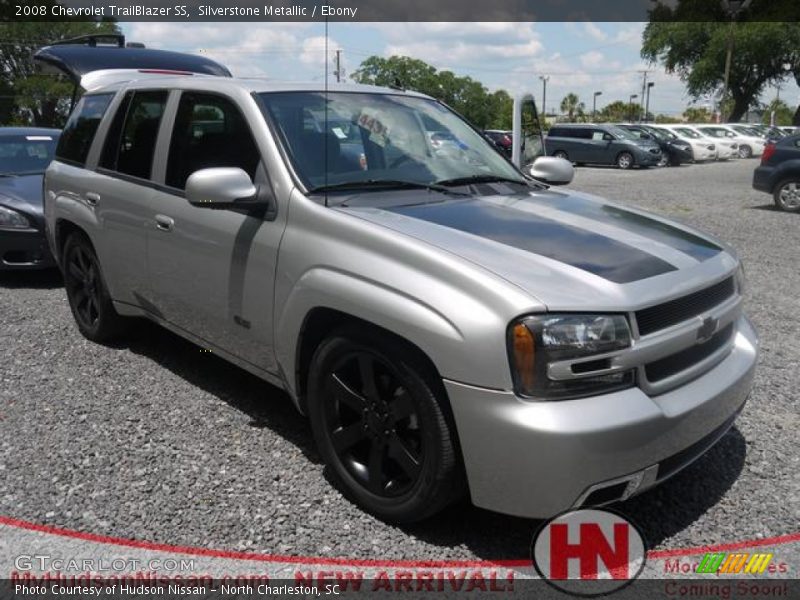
450,321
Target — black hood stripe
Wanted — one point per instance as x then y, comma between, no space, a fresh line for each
679,239
597,254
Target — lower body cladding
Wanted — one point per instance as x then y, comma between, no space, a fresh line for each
24,249
535,459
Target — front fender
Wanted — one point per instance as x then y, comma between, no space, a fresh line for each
442,339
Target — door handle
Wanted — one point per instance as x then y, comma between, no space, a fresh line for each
92,198
164,223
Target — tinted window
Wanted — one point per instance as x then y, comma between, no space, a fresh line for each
26,154
209,132
138,139
108,158
76,139
560,132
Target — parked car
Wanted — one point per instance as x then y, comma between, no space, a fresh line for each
703,149
723,138
673,151
501,139
723,148
751,143
25,153
789,130
602,145
779,173
447,325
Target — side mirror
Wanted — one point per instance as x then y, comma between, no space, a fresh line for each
552,170
223,187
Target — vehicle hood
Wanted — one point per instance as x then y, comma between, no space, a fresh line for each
567,249
23,192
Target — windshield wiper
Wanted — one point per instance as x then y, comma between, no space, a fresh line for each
456,181
396,184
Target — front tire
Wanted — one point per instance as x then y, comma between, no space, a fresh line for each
625,160
745,152
561,154
787,195
379,421
87,293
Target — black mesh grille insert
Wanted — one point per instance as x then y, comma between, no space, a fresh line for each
675,363
662,316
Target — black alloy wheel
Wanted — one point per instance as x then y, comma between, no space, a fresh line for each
380,426
86,291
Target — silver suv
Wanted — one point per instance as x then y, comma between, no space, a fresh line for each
449,322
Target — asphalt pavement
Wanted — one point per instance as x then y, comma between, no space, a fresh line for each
153,439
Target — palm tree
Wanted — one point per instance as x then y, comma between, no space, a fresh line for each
572,106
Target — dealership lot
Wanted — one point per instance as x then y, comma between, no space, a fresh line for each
154,439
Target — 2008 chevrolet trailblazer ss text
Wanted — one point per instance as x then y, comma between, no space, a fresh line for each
449,322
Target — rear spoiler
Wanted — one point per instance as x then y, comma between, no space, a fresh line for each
105,77
79,57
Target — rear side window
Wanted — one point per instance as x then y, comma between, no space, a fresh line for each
559,132
130,147
76,139
209,132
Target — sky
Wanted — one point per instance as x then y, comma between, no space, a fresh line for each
580,57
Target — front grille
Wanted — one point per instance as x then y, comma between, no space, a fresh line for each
664,315
680,361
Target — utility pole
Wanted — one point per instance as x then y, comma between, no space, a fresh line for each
338,66
647,103
594,105
545,79
644,91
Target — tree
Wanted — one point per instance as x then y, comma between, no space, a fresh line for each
697,114
35,97
614,112
465,95
783,114
692,41
572,106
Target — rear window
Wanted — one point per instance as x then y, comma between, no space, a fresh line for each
76,139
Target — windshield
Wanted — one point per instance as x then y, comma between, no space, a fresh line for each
716,132
26,154
657,133
341,137
670,135
688,132
623,134
746,131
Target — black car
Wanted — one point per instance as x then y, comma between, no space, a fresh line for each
779,173
25,153
674,151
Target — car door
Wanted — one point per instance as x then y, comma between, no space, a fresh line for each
212,270
598,146
123,192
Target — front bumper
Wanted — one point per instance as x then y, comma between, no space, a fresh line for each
24,249
703,153
647,159
535,459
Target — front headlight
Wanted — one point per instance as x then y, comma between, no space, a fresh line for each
12,218
538,343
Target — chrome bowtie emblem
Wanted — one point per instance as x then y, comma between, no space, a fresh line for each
707,329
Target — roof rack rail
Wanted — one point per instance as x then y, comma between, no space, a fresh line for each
92,39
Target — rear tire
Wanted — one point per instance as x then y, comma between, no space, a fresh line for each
787,195
625,160
87,293
379,421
